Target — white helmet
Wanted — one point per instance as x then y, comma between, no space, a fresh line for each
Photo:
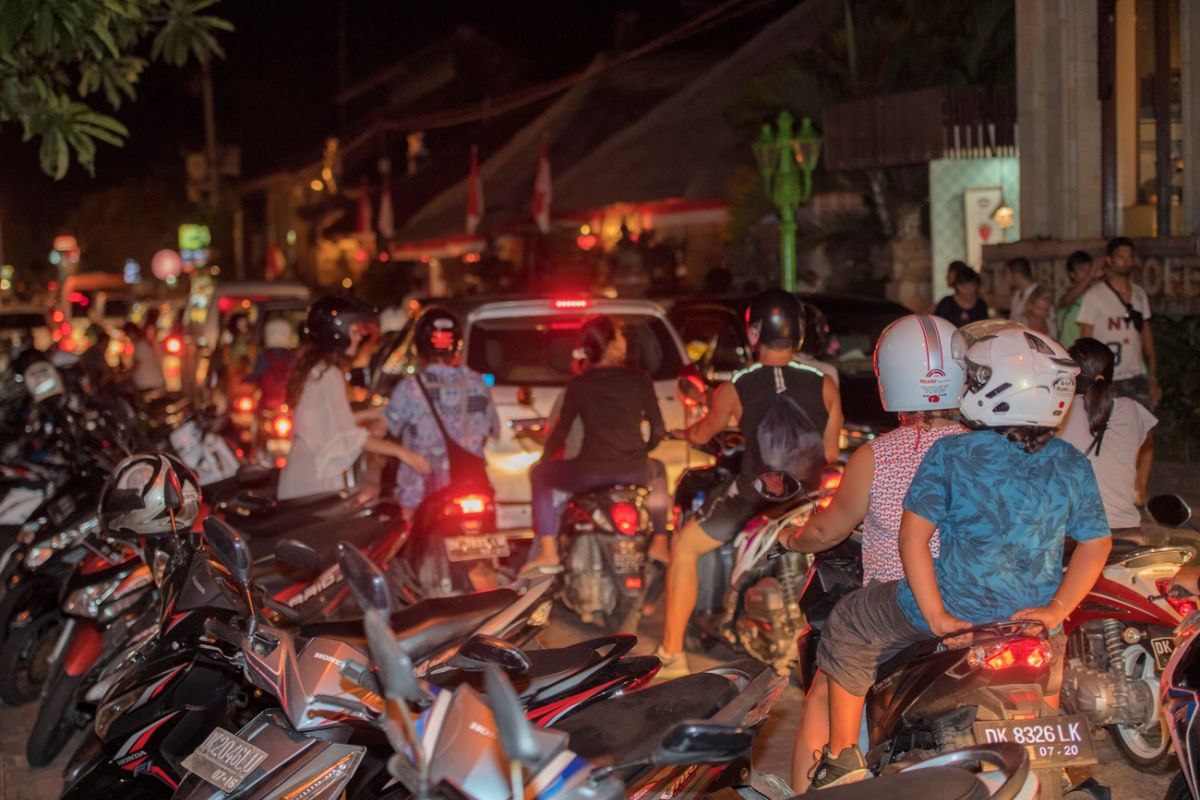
915,367
133,500
278,333
1017,377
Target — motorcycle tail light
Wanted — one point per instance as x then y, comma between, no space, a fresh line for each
625,517
282,427
1182,605
244,404
830,481
633,582
468,504
173,345
1033,653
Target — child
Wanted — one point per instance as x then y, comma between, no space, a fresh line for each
1002,498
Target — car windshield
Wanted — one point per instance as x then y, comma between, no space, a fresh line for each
852,337
536,351
13,320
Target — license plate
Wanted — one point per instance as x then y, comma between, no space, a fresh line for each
224,760
1050,741
469,548
1163,647
279,447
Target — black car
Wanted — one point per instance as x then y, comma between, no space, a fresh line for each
714,331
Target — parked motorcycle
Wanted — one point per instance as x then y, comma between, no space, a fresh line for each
454,547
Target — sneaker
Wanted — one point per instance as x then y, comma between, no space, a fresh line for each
848,767
673,666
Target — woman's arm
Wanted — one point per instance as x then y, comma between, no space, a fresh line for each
385,447
560,428
915,533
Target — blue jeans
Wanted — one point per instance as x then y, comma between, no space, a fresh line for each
571,477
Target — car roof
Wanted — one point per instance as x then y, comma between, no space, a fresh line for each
545,305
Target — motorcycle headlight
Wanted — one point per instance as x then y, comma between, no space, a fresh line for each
108,713
86,602
129,593
61,540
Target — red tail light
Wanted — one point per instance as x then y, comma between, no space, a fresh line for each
468,504
830,481
244,404
1033,653
282,426
67,344
625,517
1182,605
173,345
633,582
572,303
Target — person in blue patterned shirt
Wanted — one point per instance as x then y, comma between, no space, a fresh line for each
463,401
1003,498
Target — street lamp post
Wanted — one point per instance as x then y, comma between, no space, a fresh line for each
782,158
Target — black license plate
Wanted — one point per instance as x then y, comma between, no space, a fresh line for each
224,760
1163,648
476,546
1050,741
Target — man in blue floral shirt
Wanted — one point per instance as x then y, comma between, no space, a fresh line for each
462,400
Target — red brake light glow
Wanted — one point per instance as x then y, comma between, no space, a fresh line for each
244,404
173,345
471,504
1033,653
572,303
1182,605
282,427
829,483
625,517
67,344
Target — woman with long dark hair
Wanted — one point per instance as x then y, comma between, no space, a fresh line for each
612,400
1109,430
326,437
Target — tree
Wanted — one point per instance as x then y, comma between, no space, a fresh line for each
57,55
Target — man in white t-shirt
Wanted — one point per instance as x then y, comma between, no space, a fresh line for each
1117,312
1020,280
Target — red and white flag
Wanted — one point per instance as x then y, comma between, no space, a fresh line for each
542,192
387,224
474,193
364,210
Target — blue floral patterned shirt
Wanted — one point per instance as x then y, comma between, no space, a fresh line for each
465,406
1002,514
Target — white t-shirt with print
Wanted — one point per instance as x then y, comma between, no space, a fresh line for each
1103,310
1116,465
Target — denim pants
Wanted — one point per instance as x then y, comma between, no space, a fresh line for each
572,477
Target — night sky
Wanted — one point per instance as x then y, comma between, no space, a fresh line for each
273,92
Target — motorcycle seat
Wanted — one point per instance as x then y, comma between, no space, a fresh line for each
360,527
603,494
427,627
932,783
255,504
628,728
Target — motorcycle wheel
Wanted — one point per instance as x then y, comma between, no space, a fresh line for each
23,667
56,721
1178,790
1146,747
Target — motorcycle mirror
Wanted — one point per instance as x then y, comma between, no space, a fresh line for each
698,742
229,548
777,486
1169,510
514,730
297,554
480,650
395,667
688,391
365,580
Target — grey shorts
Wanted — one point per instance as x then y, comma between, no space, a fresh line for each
728,509
868,627
1136,389
865,629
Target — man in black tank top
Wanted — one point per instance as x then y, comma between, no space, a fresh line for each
775,322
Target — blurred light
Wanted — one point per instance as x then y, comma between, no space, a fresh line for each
79,298
425,259
280,461
67,345
5,284
347,283
216,270
572,303
173,345
282,426
65,243
52,286
586,242
585,229
316,185
171,279
384,256
291,237
361,255
244,404
470,258
128,348
55,258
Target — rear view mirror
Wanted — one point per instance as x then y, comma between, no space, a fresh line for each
298,554
694,742
365,580
481,650
690,394
1169,510
514,730
229,549
777,486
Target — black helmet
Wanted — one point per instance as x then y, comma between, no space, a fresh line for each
438,333
816,331
775,319
329,320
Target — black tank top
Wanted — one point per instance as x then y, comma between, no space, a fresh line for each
756,387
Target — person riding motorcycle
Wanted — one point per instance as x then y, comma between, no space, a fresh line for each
920,381
612,400
775,323
455,393
274,364
1002,497
326,437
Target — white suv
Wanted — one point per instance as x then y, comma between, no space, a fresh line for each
523,349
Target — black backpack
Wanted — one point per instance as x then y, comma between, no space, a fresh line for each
788,440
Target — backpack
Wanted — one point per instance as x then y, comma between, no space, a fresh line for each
788,440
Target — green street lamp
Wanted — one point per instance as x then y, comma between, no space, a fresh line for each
782,157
